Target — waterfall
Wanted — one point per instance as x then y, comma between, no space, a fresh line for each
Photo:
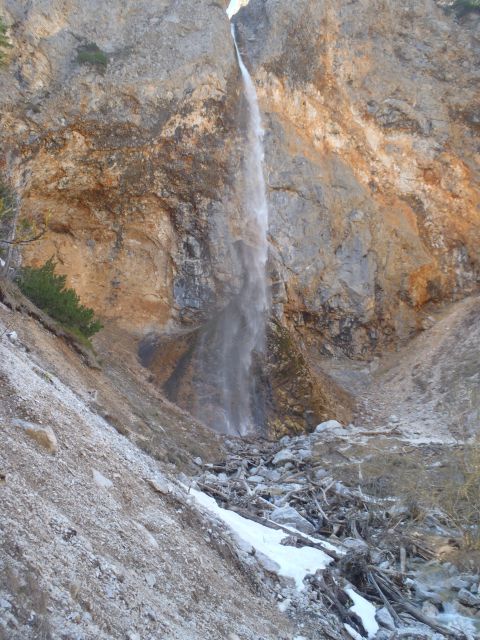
239,333
245,333
228,393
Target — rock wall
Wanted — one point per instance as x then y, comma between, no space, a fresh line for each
123,122
371,110
119,123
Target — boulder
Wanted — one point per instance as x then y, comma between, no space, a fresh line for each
290,517
468,598
44,436
329,425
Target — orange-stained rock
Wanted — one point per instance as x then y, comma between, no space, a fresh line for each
371,112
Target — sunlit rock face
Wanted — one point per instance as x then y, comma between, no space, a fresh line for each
125,123
132,151
371,110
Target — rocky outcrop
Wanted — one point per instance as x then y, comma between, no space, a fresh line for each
124,125
118,122
372,162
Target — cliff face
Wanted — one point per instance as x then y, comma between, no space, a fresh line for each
372,160
124,122
118,121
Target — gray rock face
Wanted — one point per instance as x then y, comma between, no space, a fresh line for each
371,162
119,120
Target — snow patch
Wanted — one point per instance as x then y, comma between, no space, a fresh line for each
365,611
292,562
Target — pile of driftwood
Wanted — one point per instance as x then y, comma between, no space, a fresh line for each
282,486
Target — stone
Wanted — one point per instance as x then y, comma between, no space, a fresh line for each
290,517
423,593
393,419
198,461
468,598
44,436
159,485
303,454
12,336
429,609
150,579
255,479
385,619
100,480
329,425
460,583
283,456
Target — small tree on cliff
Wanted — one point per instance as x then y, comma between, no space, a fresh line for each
15,229
48,291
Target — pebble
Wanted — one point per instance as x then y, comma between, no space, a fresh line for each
150,579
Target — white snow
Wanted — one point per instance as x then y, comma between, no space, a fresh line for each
234,6
355,635
365,610
292,562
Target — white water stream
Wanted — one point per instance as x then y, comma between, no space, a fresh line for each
244,324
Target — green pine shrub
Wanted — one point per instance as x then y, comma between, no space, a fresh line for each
4,42
47,290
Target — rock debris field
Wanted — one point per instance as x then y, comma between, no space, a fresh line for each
276,540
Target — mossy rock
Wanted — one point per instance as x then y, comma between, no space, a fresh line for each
92,54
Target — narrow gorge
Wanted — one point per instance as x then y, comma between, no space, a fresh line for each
239,320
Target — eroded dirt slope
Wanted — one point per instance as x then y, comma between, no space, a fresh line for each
89,549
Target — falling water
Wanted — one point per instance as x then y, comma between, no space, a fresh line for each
232,340
245,328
